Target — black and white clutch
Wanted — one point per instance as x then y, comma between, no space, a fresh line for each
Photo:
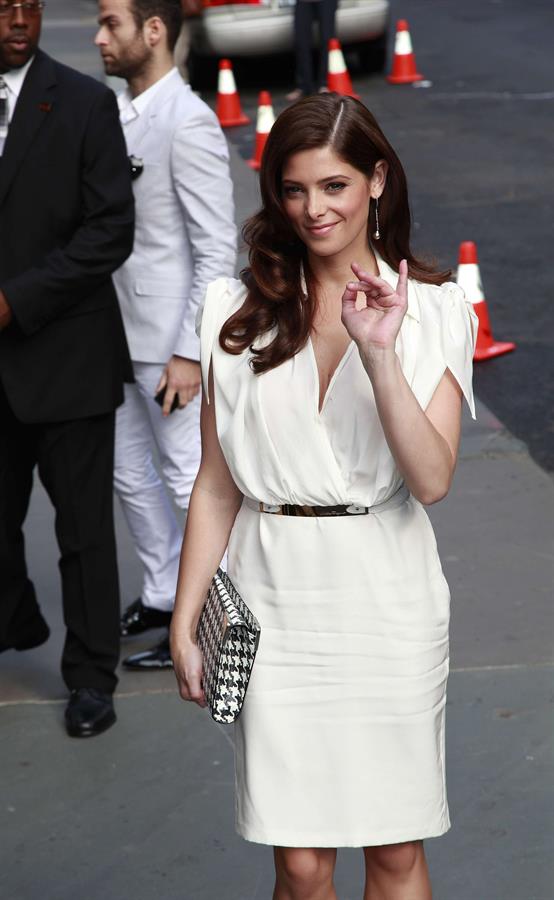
228,635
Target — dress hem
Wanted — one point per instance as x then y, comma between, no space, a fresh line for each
368,840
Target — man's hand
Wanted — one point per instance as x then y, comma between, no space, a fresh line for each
182,377
5,312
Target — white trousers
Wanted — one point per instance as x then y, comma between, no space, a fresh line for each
144,497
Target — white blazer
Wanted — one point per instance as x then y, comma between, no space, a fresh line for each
185,234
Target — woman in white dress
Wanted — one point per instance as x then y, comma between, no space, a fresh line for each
333,374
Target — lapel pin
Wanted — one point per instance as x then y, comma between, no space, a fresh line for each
45,107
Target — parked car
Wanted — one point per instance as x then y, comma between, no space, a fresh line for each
264,28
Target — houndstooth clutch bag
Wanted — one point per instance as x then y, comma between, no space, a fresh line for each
228,636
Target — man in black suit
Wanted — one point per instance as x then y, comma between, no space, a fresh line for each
66,223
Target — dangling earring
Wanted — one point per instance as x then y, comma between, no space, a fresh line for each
376,233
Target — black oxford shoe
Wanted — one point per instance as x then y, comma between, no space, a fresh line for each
138,618
89,712
157,657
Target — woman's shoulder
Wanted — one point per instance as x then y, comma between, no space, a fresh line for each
427,303
223,297
226,292
449,325
435,296
443,304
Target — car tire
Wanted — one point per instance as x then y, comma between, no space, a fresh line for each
202,71
372,55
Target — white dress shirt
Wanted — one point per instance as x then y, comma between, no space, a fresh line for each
14,82
130,108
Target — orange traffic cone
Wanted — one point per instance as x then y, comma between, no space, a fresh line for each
404,69
338,78
265,120
228,108
469,279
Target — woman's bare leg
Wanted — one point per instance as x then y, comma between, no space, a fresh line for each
397,872
304,873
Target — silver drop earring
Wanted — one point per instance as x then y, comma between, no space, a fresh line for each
376,233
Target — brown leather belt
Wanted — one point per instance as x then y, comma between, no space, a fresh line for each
353,509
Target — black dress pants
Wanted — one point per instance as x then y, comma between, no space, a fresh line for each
305,13
75,465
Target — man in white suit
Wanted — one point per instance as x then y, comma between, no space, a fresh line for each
185,237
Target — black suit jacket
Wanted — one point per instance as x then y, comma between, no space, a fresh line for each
66,223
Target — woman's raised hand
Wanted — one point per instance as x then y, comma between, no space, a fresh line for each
376,325
187,664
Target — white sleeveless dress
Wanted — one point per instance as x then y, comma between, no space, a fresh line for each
341,738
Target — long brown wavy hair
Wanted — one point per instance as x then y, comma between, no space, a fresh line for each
276,297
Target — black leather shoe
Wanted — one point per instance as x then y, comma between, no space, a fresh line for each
157,657
138,618
89,712
35,633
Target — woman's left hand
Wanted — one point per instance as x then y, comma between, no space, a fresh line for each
376,326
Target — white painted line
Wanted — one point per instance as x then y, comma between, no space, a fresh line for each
516,667
125,695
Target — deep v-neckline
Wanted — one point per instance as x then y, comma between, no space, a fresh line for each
320,401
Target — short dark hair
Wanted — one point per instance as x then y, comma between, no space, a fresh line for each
169,11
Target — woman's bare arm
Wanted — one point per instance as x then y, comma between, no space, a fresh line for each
214,504
424,443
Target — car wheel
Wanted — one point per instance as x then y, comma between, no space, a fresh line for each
372,55
202,71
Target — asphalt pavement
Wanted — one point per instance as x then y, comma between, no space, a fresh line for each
147,808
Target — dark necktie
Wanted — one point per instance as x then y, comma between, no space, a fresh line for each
3,110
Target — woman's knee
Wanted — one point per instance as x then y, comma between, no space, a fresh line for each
396,859
305,869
